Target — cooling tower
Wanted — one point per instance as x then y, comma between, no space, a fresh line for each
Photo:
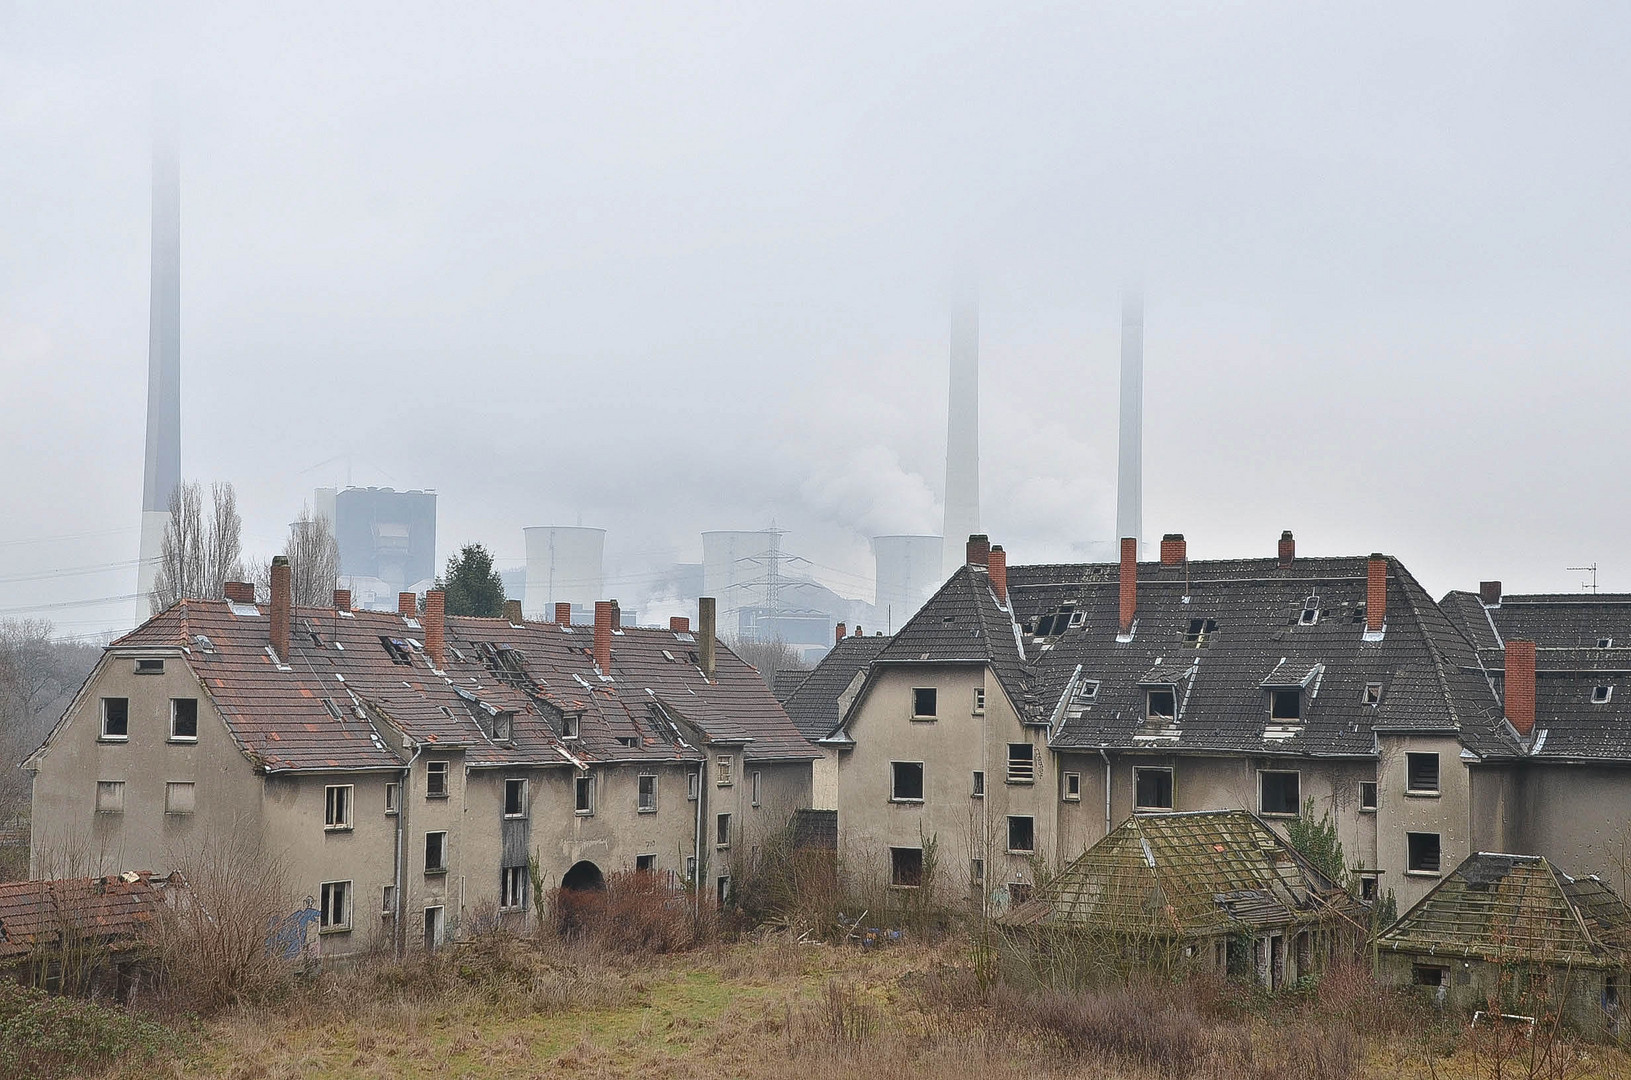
564,565
908,573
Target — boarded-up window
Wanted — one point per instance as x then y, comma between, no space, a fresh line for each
110,796
178,797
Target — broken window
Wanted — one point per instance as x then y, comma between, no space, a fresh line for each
569,725
1611,993
512,887
1310,613
335,914
645,864
1086,691
435,927
722,889
976,872
924,702
1200,632
178,797
436,853
1161,703
583,794
1019,892
757,788
1421,773
1073,787
436,779
391,791
1372,694
337,806
1367,794
1605,643
503,726
1021,763
1424,852
693,785
515,798
723,770
1057,621
184,718
979,701
1428,975
110,796
387,902
1152,789
722,831
397,649
1021,834
1367,889
1285,704
979,783
646,793
1279,792
1601,694
115,718
150,667
906,781
906,867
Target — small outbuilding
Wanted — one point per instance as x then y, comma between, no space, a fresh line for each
1213,891
1514,932
79,935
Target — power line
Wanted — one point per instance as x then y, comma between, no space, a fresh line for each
67,536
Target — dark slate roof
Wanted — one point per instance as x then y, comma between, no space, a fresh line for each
1187,875
1570,723
1514,909
813,704
314,712
1430,674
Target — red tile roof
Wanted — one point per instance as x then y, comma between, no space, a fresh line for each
105,910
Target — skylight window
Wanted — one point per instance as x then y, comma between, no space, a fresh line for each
1310,613
1373,694
1200,632
1060,619
1601,694
1087,690
1605,643
397,649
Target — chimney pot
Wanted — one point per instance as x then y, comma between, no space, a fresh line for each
240,592
680,624
705,636
282,601
1129,583
617,615
605,620
839,633
342,599
407,604
998,565
979,549
1173,549
1288,549
435,626
1490,593
1520,686
563,612
1376,592
512,612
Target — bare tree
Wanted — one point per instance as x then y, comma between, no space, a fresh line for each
201,551
314,558
769,657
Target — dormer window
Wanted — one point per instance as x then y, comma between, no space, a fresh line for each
1601,694
1372,694
1200,631
503,726
1285,704
1161,703
569,725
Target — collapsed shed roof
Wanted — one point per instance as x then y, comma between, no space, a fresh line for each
104,911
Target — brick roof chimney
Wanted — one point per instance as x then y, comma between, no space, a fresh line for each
435,627
1376,593
605,619
342,599
978,550
997,562
679,624
407,604
282,601
563,612
239,592
1129,583
1490,593
512,612
838,633
1520,686
705,636
1288,549
1173,549
617,615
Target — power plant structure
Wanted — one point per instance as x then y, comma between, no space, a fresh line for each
1130,458
565,565
907,572
162,471
387,541
962,435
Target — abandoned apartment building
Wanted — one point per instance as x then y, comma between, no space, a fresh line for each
1026,711
407,767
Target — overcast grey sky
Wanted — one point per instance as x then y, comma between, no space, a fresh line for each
664,268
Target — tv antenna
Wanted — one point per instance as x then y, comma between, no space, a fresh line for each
1589,586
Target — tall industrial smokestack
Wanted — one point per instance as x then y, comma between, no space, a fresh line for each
1130,472
962,434
163,469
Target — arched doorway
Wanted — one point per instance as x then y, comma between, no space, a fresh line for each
584,877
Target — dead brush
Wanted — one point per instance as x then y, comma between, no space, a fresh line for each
635,913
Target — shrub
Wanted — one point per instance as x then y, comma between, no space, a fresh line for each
636,913
45,1037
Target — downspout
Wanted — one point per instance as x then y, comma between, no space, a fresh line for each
402,812
696,876
1106,758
